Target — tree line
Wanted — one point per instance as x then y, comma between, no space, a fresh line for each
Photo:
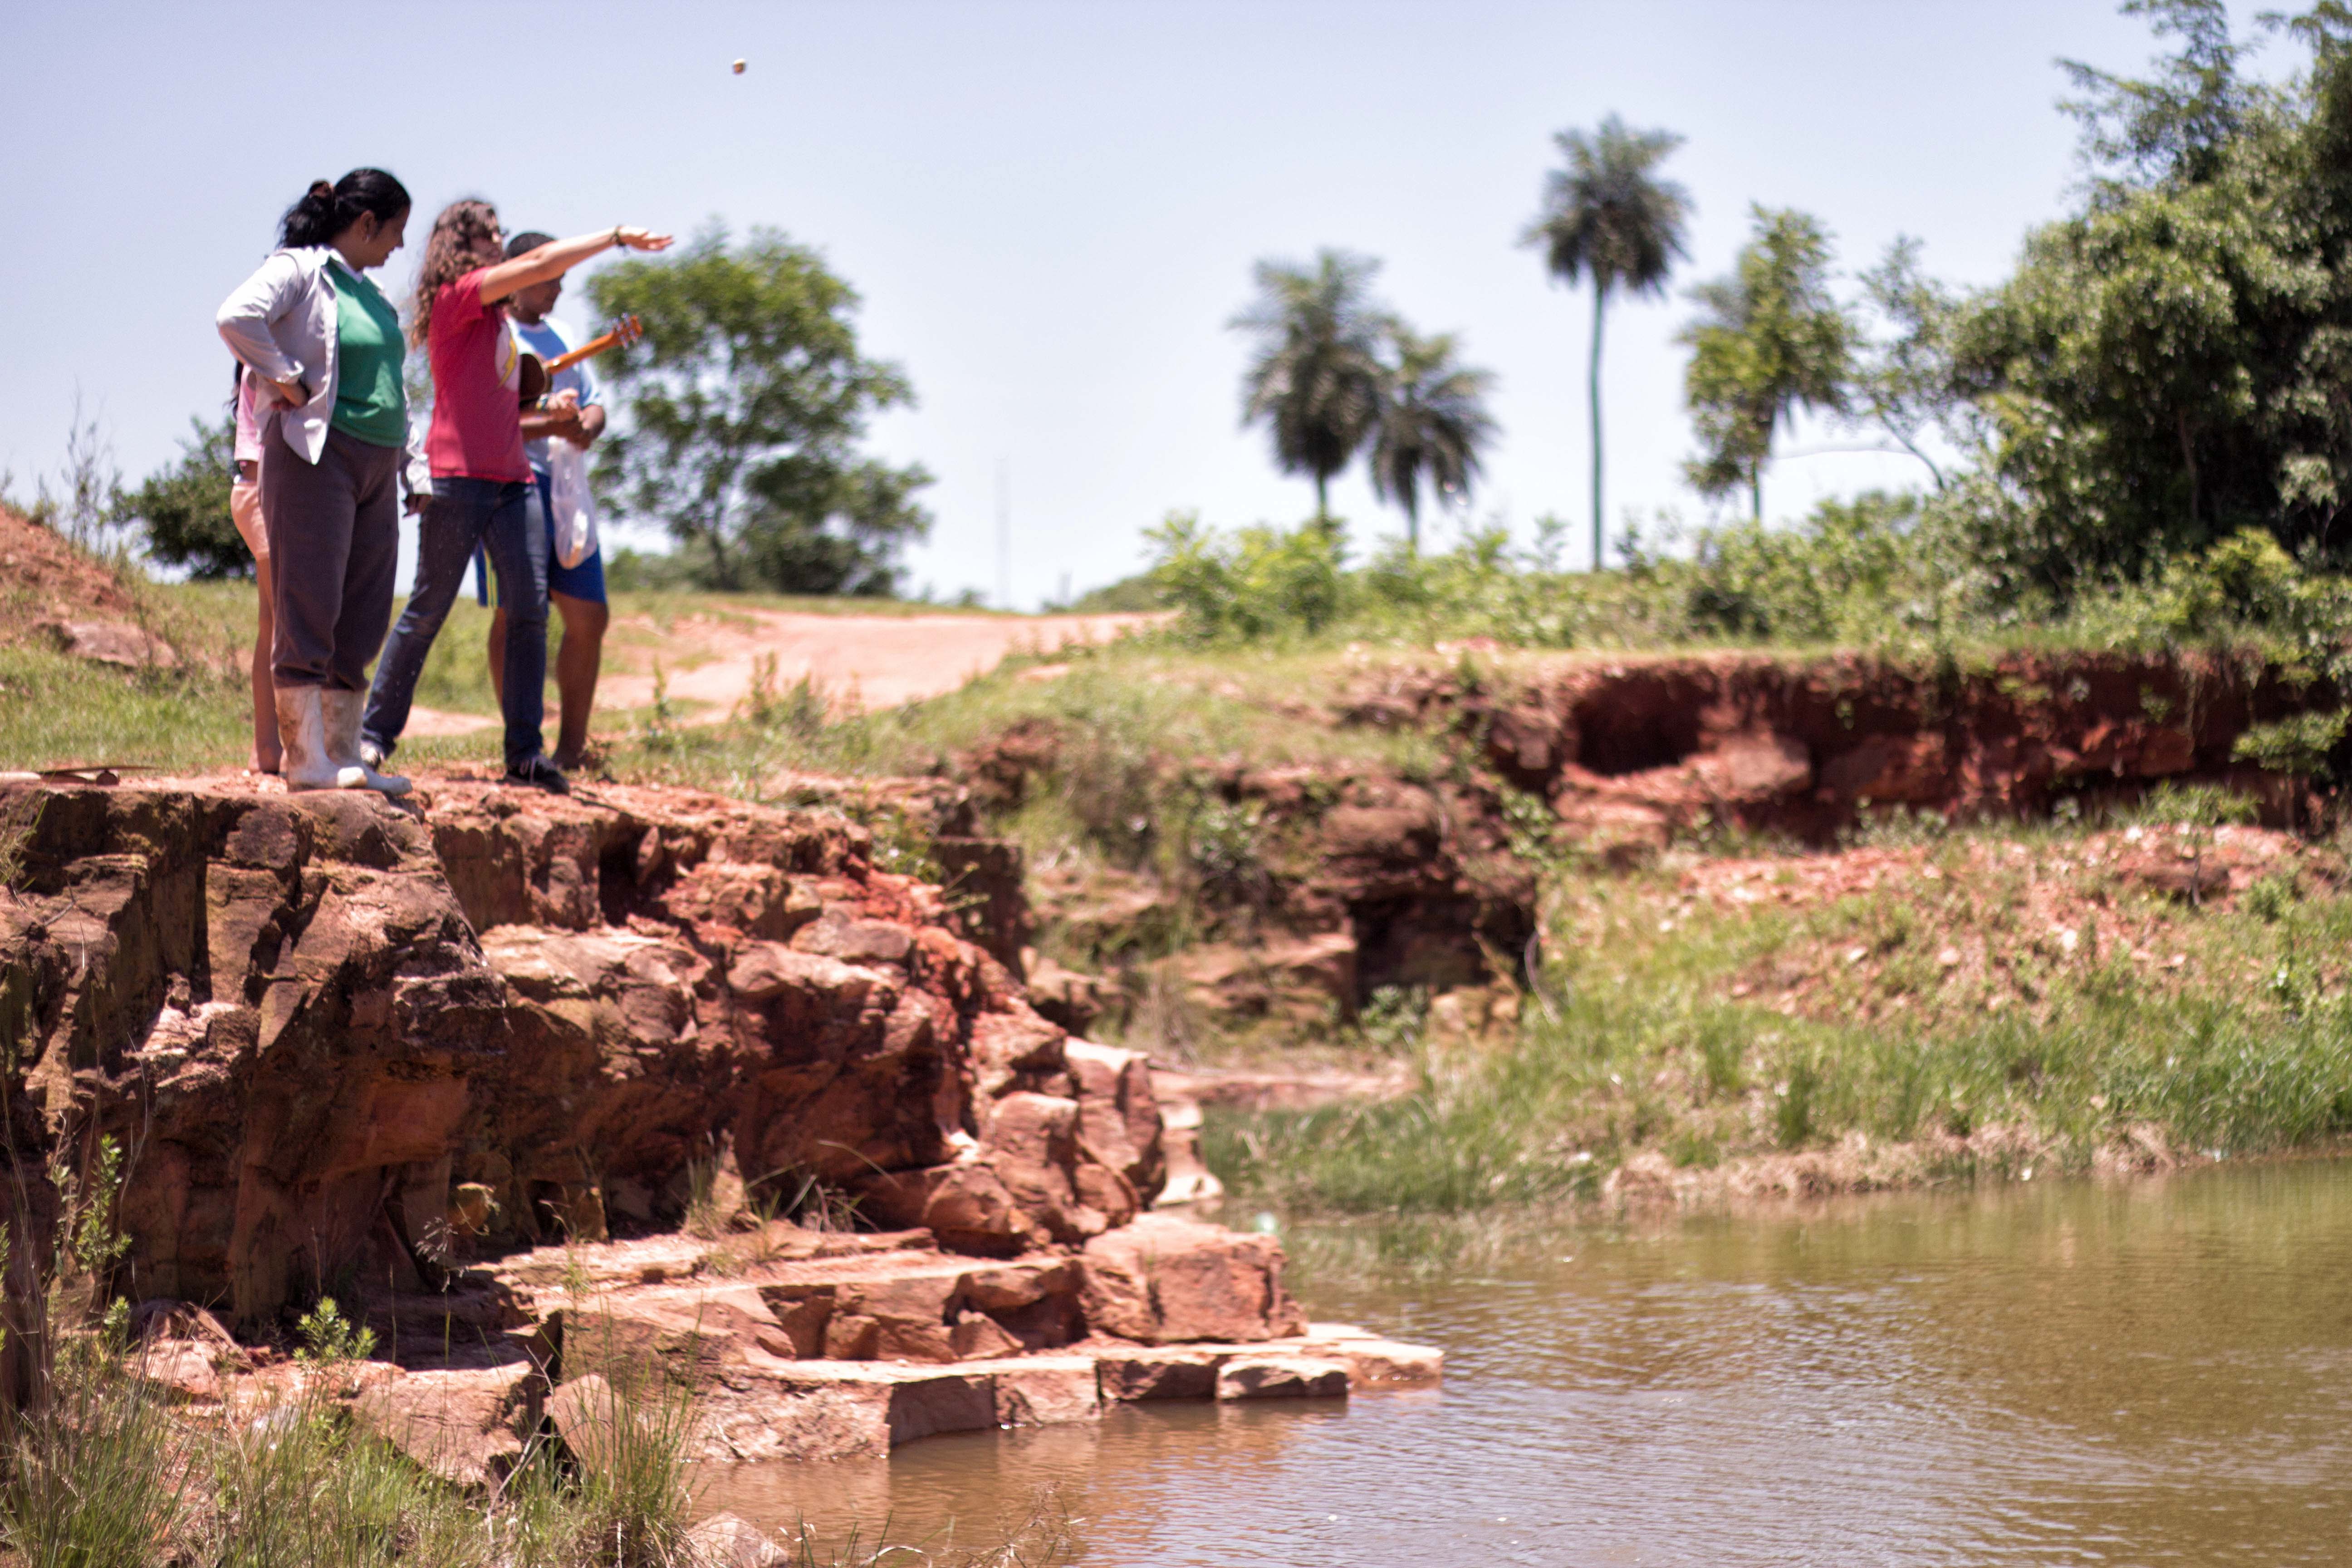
2168,366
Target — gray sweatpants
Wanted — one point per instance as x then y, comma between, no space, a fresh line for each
334,543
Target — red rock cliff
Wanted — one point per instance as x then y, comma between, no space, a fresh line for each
313,1018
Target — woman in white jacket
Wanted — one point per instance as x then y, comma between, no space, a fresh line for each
328,348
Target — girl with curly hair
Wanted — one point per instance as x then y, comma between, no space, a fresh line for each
479,474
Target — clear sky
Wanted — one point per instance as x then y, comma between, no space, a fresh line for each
1050,209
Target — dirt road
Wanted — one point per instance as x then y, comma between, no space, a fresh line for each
859,661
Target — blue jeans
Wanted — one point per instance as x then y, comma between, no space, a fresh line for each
462,514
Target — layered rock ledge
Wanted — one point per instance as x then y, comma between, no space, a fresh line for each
434,1060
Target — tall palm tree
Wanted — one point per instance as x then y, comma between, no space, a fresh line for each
1768,339
1433,423
1609,219
1315,379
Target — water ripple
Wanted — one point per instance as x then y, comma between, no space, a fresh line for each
2065,1375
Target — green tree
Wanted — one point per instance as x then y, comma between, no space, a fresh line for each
183,506
1770,339
2179,124
1432,422
1315,379
1609,219
1904,383
2169,365
741,413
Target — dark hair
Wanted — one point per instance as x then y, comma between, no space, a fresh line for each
325,210
527,240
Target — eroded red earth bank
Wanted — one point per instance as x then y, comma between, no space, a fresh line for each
432,1060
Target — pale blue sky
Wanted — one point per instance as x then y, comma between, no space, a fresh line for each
1051,209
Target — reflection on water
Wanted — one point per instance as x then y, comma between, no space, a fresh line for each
2055,1373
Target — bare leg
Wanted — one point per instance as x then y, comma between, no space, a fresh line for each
245,508
577,664
496,644
266,753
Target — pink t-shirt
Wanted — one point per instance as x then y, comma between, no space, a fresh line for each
476,431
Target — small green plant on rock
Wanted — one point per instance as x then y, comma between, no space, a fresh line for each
1395,1018
799,709
1223,849
329,1339
2195,812
657,732
2272,897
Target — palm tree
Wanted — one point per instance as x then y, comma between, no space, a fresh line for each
1316,377
1432,422
1768,339
1608,218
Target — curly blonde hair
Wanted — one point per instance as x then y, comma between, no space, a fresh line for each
465,236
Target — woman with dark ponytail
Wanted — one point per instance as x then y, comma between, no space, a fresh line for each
325,347
480,474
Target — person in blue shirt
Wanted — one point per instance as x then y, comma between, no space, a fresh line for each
576,591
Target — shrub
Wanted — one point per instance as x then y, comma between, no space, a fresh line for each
1255,583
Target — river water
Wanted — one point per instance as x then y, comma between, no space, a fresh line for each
2157,1371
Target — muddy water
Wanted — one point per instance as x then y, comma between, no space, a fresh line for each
2055,1373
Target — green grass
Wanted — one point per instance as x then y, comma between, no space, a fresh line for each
1130,713
1639,1043
104,1474
57,711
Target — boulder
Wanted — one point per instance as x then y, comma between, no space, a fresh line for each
835,1409
900,1306
1177,1372
1368,1358
730,1540
1044,1390
1065,996
1298,980
1120,1118
113,642
589,1415
466,1427
966,1205
1370,1361
184,1371
1164,1279
1281,1377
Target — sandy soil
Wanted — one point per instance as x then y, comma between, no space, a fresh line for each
863,661
859,661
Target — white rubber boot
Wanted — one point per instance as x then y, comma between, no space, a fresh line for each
340,710
302,736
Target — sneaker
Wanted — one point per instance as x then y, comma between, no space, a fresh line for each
537,773
372,754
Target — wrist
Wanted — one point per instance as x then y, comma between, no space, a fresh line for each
615,240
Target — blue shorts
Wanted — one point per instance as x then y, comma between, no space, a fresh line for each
585,581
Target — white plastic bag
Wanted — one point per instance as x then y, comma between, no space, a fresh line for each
573,508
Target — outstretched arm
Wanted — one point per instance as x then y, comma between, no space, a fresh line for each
559,257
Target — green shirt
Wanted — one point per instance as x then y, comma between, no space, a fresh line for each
369,401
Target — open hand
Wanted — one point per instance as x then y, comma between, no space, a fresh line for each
640,239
